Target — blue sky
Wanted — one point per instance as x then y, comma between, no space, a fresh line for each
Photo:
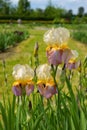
67,4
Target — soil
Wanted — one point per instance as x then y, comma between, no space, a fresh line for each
9,52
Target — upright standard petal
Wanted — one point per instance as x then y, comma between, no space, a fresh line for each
56,36
22,72
43,72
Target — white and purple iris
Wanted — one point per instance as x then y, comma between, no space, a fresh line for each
23,75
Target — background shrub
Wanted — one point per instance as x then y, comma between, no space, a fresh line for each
80,36
9,39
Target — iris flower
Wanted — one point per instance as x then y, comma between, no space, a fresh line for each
57,51
47,89
73,64
23,75
46,85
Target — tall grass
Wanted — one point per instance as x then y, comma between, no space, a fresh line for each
65,111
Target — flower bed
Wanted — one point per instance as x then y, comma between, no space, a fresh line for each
9,39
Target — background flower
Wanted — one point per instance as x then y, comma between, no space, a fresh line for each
73,64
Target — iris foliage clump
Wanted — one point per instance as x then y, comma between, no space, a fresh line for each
9,39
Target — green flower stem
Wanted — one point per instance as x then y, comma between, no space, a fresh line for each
5,75
36,48
53,73
58,104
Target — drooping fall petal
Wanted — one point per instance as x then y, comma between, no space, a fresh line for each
54,56
29,88
47,90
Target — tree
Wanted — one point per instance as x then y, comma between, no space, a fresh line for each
39,13
50,3
69,15
1,3
13,11
80,11
1,6
50,12
20,7
23,6
4,7
26,5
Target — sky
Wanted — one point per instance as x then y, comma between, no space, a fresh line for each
67,4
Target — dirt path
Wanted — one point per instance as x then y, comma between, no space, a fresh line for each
9,52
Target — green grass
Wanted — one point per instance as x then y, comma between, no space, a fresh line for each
23,53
